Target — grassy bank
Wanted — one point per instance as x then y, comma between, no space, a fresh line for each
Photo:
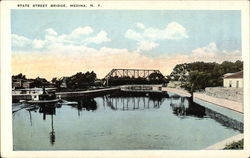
235,145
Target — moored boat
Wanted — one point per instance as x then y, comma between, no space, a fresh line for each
47,96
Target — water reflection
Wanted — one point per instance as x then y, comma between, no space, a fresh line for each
88,104
52,133
83,104
30,109
183,107
133,100
224,120
49,109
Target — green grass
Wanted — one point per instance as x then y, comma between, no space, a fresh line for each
235,145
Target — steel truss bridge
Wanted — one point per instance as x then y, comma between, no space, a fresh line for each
132,73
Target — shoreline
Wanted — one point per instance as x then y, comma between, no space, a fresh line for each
228,104
222,144
221,102
177,91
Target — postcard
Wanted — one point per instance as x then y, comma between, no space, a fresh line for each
124,79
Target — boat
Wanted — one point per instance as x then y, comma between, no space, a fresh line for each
43,97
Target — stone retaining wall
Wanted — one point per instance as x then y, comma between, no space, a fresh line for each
234,94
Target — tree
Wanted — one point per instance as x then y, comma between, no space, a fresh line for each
19,76
40,82
81,80
180,72
57,82
156,78
196,81
199,75
54,80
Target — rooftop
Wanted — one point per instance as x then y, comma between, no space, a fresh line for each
235,75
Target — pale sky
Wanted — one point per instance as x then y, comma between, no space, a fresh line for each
57,43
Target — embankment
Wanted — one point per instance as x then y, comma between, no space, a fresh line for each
181,92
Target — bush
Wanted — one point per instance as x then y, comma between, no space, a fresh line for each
235,145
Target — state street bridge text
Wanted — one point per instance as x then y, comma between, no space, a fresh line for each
56,5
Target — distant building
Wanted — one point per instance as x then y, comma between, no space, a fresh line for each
16,84
28,84
31,90
234,80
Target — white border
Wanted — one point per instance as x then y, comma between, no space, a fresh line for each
6,113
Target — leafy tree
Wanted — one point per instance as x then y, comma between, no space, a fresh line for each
197,80
54,80
156,78
81,80
199,75
57,82
180,72
19,76
40,82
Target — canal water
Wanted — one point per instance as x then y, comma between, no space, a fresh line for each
120,121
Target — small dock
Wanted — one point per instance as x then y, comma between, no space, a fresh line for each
142,88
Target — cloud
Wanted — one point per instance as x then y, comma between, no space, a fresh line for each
172,31
153,34
99,38
175,31
79,36
38,44
20,41
146,45
80,32
211,53
51,32
131,34
82,58
58,55
140,25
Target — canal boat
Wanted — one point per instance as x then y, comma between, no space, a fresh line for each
43,96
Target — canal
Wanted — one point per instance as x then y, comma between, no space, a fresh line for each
120,121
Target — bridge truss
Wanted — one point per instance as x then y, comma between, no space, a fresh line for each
132,73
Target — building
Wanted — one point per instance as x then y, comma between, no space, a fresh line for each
28,84
32,90
16,84
234,80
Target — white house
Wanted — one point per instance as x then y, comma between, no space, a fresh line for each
234,80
